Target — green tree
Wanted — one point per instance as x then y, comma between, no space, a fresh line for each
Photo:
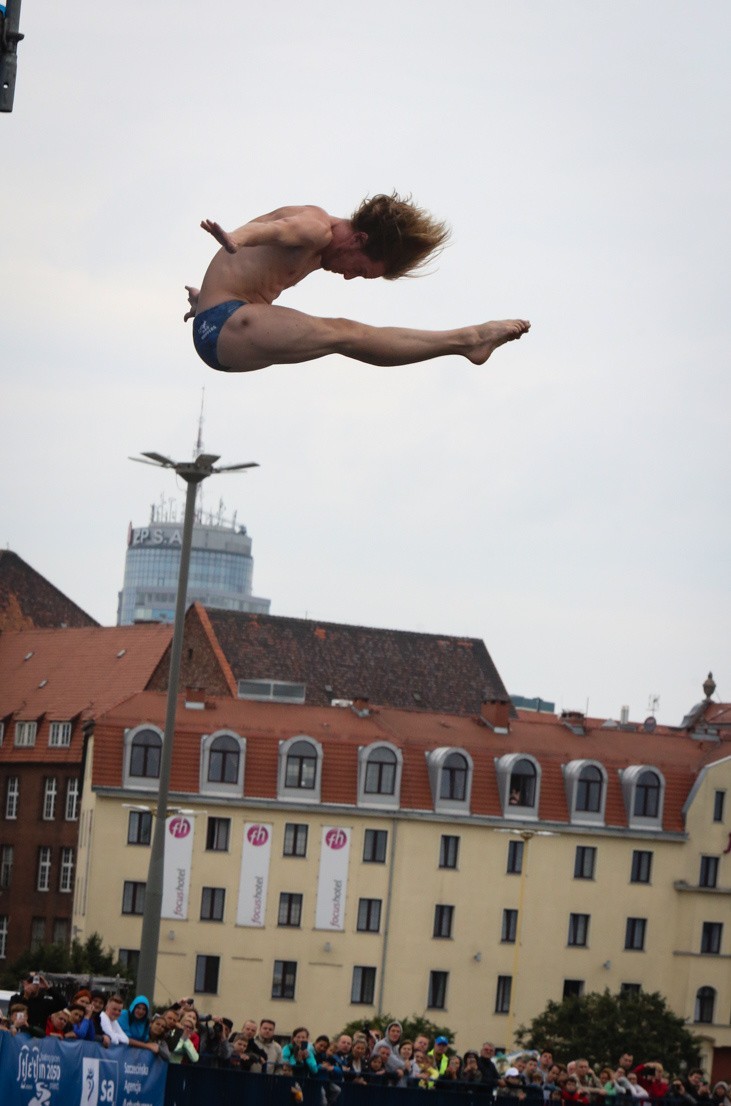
411,1026
602,1026
88,958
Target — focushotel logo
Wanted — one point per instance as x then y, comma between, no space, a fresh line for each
179,827
257,835
336,838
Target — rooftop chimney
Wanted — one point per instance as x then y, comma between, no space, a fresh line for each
195,698
496,712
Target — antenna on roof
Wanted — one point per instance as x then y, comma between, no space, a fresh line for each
197,452
199,442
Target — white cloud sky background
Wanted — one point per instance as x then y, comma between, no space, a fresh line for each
568,502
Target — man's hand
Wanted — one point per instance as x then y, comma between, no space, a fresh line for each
222,236
193,294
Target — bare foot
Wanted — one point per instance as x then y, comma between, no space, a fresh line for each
491,335
193,294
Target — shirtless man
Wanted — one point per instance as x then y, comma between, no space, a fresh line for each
236,328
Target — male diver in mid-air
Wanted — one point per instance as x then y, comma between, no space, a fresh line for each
236,328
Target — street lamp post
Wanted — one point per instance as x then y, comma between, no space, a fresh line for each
194,473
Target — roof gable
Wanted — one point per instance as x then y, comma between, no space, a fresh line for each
395,668
29,600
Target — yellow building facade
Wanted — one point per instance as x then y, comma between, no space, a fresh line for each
468,869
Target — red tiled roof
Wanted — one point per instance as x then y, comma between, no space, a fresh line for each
341,732
76,672
28,600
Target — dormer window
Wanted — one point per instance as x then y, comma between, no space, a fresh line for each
519,785
643,788
379,775
25,734
647,795
301,766
222,764
450,776
454,778
589,788
142,752
586,791
300,762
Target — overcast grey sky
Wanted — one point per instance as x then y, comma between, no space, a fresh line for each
568,502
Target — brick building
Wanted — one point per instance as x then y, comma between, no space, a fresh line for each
53,684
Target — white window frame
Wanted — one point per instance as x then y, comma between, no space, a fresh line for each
43,875
299,794
73,795
207,787
571,775
435,760
12,798
140,783
504,768
50,795
3,936
630,778
66,872
7,858
59,735
25,734
375,798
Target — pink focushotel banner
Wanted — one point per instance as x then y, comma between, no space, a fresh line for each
332,881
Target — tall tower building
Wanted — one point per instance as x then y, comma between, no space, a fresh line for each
221,567
221,564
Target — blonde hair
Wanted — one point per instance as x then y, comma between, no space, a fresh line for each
399,233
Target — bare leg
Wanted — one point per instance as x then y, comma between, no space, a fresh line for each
259,335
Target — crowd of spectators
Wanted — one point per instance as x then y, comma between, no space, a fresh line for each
178,1034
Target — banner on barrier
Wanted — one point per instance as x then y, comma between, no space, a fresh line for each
48,1071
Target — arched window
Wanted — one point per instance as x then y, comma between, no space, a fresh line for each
380,773
450,777
522,784
519,785
705,1004
647,795
454,778
144,757
301,770
589,790
643,790
586,791
223,760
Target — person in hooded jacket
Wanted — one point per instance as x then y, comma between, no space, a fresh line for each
135,1021
395,1064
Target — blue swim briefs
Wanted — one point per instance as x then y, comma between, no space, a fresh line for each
207,327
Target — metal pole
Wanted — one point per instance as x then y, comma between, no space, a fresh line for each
150,938
9,38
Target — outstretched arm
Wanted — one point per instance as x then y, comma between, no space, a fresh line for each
308,227
222,236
